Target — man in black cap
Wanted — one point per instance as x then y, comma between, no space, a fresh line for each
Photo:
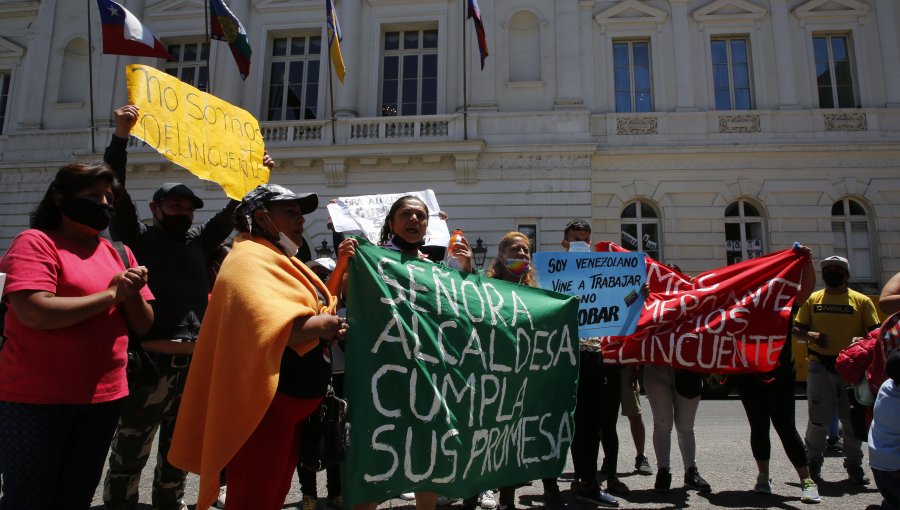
176,254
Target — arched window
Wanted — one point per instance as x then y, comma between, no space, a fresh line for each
640,229
744,229
524,47
850,228
74,72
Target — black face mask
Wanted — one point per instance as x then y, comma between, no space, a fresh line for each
404,245
175,225
86,212
833,280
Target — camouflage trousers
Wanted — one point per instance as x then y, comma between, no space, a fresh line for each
145,411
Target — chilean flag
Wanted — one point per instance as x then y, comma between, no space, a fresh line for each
123,33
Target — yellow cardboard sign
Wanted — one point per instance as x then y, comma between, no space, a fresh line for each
211,138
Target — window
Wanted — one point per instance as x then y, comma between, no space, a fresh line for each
524,47
731,73
631,60
850,228
640,229
294,78
834,75
409,79
190,64
743,232
530,232
4,98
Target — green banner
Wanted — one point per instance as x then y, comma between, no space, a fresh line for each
457,383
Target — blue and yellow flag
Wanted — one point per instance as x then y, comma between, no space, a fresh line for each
334,40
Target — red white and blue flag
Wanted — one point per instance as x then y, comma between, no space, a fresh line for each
124,34
475,13
224,26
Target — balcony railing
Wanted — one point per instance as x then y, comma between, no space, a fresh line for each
363,130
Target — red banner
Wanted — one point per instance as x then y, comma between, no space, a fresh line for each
729,320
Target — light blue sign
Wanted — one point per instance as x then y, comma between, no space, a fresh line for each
608,286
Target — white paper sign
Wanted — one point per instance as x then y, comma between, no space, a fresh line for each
366,213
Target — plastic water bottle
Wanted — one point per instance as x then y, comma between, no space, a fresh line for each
456,240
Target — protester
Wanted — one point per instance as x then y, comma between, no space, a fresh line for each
889,301
403,231
597,405
72,302
884,436
513,264
323,267
270,319
769,396
175,254
828,321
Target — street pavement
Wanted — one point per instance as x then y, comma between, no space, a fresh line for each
723,458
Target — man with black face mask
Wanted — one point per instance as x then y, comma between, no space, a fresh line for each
176,255
828,321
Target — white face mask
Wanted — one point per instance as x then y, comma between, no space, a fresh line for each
284,242
579,247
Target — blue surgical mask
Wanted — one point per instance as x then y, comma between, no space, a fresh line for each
579,247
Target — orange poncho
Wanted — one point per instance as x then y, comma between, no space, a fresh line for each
234,373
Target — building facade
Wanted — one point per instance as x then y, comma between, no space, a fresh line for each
703,132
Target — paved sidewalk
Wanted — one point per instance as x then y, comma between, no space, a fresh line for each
723,457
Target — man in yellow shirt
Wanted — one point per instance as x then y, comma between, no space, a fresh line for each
828,321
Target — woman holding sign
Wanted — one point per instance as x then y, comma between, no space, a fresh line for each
404,231
513,264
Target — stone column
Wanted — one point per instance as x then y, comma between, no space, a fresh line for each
684,74
568,61
784,57
33,79
890,50
483,82
349,14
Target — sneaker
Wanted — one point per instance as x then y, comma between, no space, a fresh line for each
408,496
663,480
553,499
591,493
857,475
487,501
642,465
615,486
835,443
308,503
693,480
220,501
809,492
336,503
763,485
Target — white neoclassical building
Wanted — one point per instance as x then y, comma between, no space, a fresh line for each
701,131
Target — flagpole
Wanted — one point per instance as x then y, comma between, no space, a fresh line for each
209,76
465,80
91,75
330,91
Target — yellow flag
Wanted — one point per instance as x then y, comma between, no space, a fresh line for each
211,138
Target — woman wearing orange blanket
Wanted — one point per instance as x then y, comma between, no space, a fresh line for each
260,367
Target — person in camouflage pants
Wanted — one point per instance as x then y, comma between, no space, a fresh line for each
145,409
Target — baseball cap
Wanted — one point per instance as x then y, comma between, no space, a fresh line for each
266,193
835,260
324,262
176,189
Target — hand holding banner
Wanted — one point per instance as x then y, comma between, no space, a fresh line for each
211,138
366,213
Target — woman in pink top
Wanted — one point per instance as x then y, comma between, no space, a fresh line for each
62,369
